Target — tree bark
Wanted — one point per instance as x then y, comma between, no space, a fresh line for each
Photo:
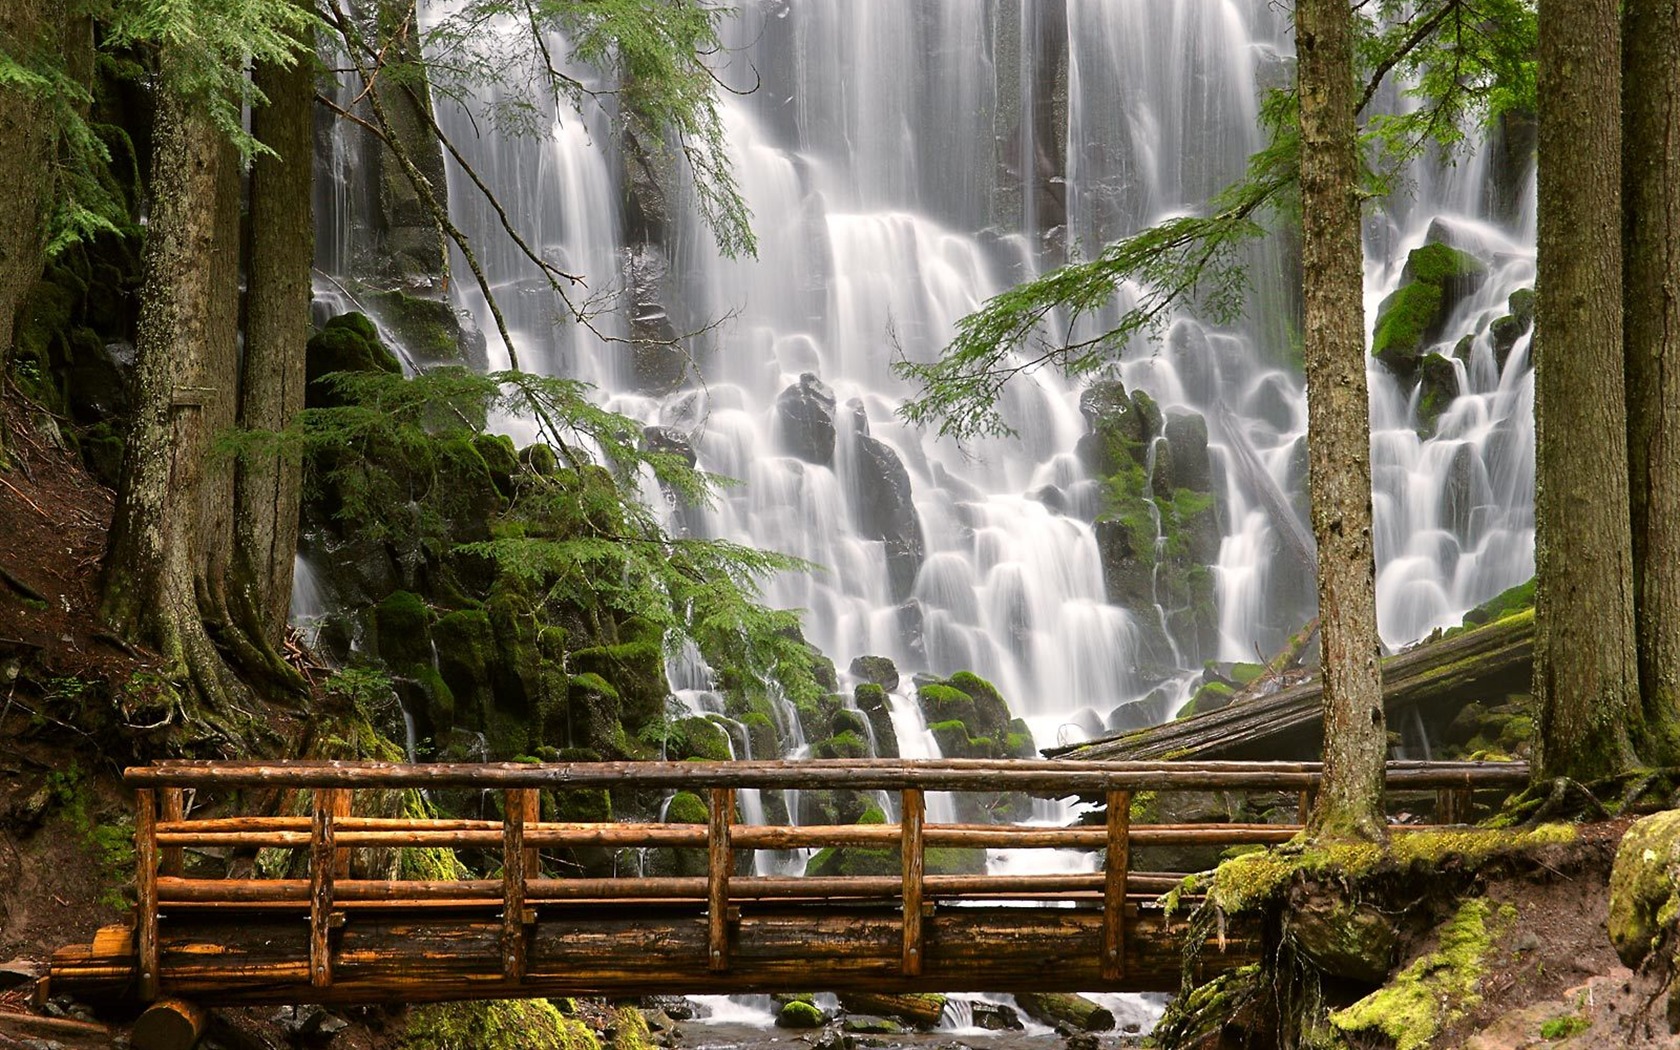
282,245
1586,683
1349,803
26,140
151,593
1651,344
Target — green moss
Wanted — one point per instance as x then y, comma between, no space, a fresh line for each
514,1024
1564,1027
401,631
701,738
593,683
842,745
427,328
1436,989
347,343
1439,263
797,1013
1645,886
1404,320
1243,674
687,808
1502,605
945,703
630,1029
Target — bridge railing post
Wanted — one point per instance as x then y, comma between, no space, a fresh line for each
720,861
323,868
913,814
146,891
517,805
1116,867
173,802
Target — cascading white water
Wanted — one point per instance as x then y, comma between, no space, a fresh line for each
891,155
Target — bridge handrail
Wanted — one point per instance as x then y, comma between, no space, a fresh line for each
1040,776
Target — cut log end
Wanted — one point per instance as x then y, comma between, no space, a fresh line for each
169,1024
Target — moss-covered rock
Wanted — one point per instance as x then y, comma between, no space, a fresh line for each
1502,605
1436,278
502,1024
402,631
877,670
697,737
1343,936
799,1014
500,460
466,654
347,343
427,328
1645,887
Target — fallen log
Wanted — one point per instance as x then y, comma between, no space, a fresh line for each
922,1009
1059,1009
1439,675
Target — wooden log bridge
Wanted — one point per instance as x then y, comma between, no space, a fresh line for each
334,937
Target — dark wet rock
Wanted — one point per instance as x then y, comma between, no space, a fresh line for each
805,421
995,1017
1192,358
1134,714
877,669
1437,386
856,416
658,365
886,511
348,343
1053,498
872,701
1187,437
1505,331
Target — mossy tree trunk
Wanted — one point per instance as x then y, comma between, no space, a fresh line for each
1349,803
1586,682
153,578
282,245
27,27
1651,343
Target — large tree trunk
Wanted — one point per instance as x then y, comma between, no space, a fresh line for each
26,141
282,245
1586,685
152,580
1651,341
1350,801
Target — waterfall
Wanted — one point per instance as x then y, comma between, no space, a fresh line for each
902,164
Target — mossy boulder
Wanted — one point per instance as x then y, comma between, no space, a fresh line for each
500,460
877,670
1503,604
1436,989
799,1014
402,631
636,670
1505,331
347,343
466,655
501,1024
1645,888
701,738
427,328
842,745
1437,386
1437,277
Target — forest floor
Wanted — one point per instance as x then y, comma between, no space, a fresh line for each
1551,980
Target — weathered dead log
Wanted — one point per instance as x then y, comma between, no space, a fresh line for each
1488,661
169,1024
1062,1009
922,1009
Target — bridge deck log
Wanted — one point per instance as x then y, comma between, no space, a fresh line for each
255,958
